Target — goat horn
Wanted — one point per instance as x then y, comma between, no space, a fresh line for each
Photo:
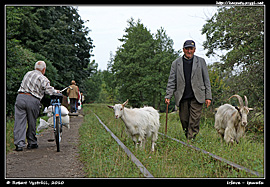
246,101
125,102
240,100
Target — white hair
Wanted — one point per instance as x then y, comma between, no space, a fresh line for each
40,65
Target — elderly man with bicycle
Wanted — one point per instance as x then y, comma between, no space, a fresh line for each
31,91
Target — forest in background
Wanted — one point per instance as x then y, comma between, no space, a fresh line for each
140,68
54,34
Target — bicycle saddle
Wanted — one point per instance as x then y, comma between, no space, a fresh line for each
56,96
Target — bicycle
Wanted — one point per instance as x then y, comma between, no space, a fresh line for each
56,100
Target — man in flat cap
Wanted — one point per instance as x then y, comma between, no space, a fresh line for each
190,84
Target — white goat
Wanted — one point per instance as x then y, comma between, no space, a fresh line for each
139,122
230,121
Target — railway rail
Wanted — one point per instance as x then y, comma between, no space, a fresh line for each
144,171
237,166
147,174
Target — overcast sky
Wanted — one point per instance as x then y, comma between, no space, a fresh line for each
107,24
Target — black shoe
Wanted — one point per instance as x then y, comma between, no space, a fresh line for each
33,146
19,148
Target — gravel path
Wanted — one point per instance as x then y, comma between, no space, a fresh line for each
46,161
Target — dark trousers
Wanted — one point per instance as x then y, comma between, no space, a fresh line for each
73,105
190,114
26,110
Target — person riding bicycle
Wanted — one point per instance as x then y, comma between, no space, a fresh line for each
31,91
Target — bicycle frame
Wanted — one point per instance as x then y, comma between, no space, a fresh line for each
57,120
56,99
56,109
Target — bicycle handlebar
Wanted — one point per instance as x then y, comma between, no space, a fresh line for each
66,88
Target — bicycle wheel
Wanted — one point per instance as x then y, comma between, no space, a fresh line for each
57,132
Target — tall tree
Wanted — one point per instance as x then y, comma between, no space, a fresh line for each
131,64
110,83
56,35
142,65
164,55
59,34
240,32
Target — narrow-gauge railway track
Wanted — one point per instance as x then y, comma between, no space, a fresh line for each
144,171
147,174
237,166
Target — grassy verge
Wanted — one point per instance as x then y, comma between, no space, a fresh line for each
104,158
100,153
9,136
9,133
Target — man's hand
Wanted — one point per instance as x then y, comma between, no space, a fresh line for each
167,101
207,102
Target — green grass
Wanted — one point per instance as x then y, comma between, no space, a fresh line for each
104,158
101,155
9,133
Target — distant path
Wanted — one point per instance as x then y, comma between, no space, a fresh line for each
45,161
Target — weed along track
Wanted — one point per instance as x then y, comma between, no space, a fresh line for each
147,174
104,147
216,157
144,171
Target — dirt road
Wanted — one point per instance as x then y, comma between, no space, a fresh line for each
45,161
